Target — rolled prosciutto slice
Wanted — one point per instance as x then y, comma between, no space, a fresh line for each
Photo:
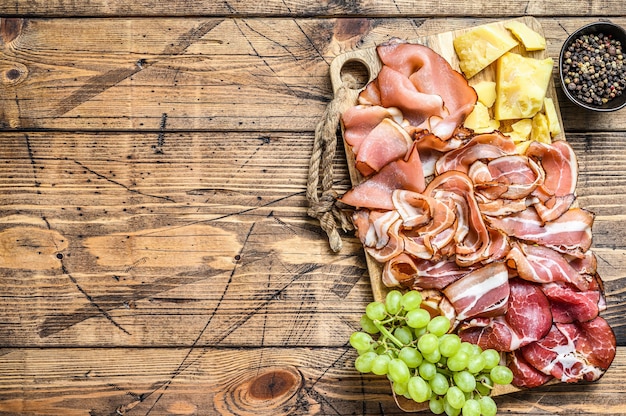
574,352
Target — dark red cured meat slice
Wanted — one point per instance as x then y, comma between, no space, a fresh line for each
574,352
524,374
569,305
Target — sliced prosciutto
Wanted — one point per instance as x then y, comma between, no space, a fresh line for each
376,191
387,142
431,75
484,146
574,352
544,265
360,120
557,193
570,233
524,374
569,305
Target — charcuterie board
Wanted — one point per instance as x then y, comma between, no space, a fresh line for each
442,44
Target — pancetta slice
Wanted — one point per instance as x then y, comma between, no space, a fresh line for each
481,293
507,177
544,265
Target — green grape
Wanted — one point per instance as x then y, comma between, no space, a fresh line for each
433,357
439,384
465,381
458,361
376,311
449,344
380,366
439,325
468,347
417,318
368,325
428,343
471,408
455,397
488,406
450,411
419,390
436,405
393,302
501,375
361,341
492,358
484,385
410,356
411,300
476,364
403,334
419,332
427,370
398,371
363,363
400,389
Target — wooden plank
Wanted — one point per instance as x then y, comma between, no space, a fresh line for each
255,381
203,73
374,8
130,239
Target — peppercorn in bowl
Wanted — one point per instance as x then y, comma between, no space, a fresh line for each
591,67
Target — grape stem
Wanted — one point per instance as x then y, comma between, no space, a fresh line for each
387,334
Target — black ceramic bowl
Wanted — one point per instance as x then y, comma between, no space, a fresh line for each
606,29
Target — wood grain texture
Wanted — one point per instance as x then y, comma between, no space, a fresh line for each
203,73
303,8
156,257
225,381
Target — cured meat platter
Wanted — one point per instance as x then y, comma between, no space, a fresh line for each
443,45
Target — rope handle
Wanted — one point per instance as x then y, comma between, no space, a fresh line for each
320,194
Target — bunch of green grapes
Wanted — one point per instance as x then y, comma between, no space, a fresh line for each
423,360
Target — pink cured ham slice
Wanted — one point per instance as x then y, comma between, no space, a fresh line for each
574,352
483,146
524,374
379,233
570,233
557,193
359,120
376,191
507,177
387,142
431,74
527,319
544,265
481,293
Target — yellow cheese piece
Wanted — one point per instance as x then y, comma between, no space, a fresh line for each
553,119
540,131
480,121
531,40
522,83
521,130
486,91
481,46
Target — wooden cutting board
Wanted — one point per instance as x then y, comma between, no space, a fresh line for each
442,44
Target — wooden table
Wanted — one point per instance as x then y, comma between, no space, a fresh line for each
156,256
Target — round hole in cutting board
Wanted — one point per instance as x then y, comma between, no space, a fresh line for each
356,73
